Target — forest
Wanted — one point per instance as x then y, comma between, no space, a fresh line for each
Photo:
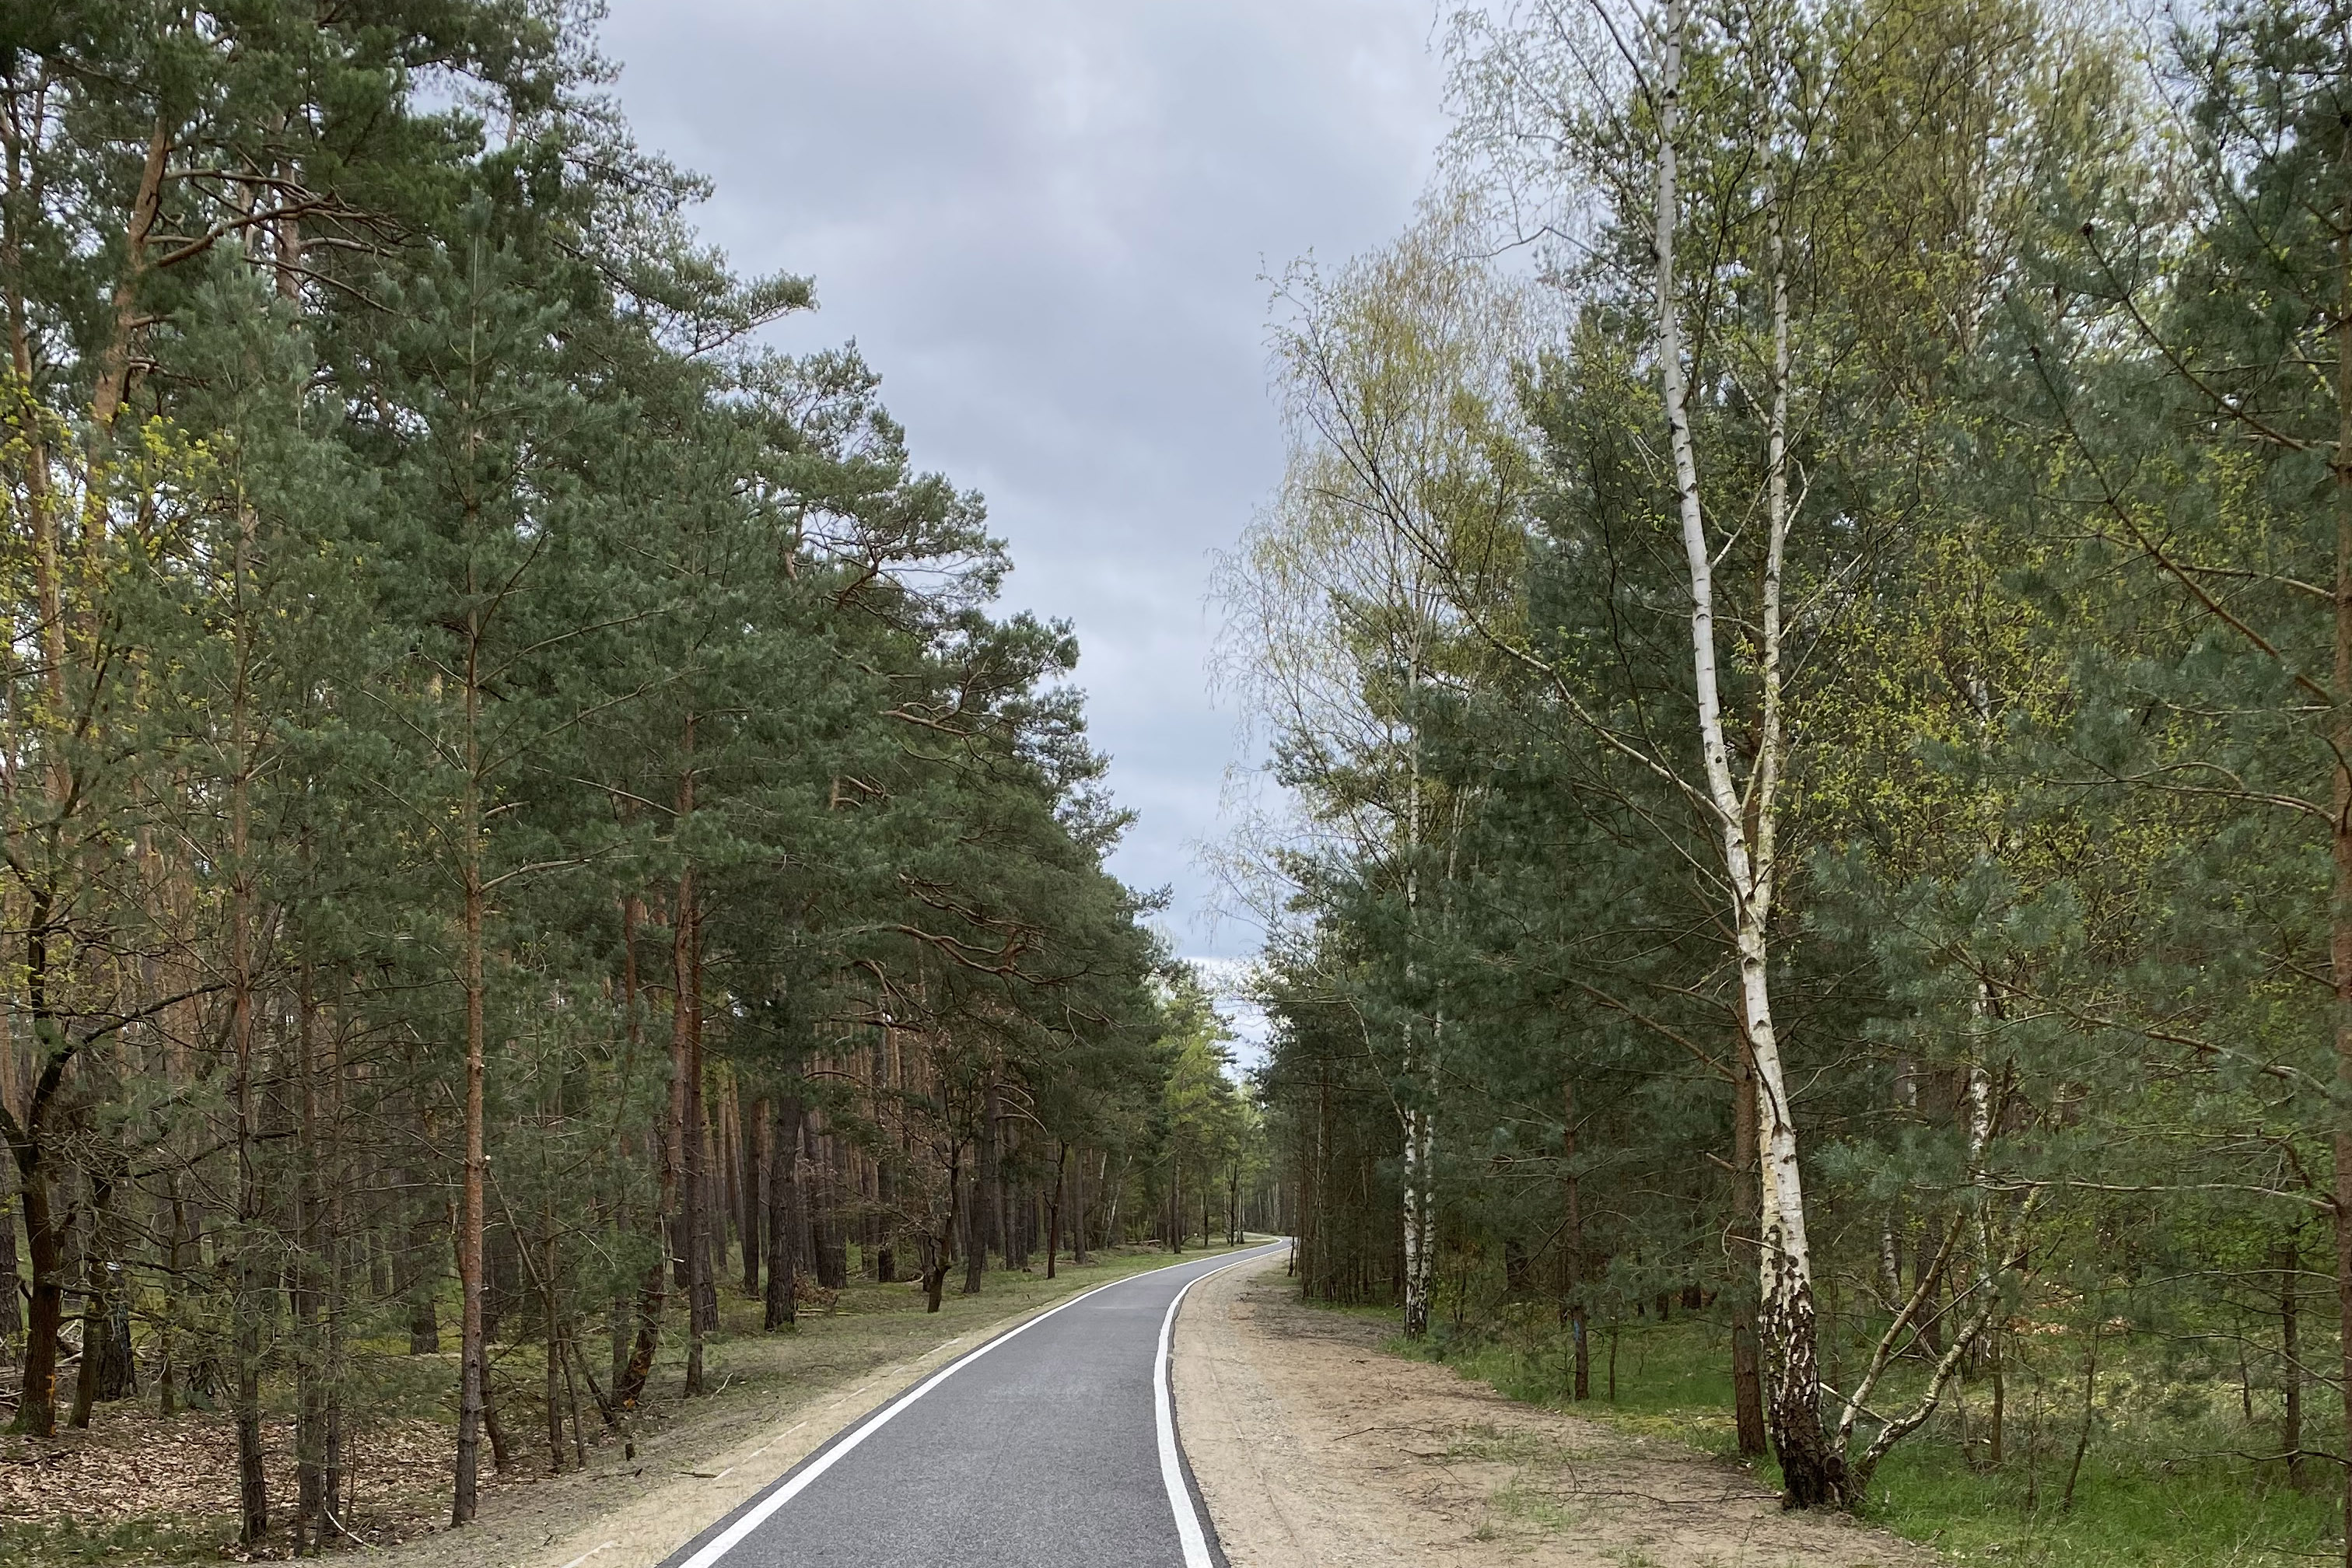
523,820
1804,667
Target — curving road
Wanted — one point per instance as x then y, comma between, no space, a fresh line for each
1054,1445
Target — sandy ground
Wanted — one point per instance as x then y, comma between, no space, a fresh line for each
1315,1449
681,1481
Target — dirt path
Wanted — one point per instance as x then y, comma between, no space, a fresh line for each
1315,1449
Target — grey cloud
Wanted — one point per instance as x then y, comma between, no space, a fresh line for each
1046,222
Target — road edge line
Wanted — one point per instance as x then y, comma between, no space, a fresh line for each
1192,1527
762,1508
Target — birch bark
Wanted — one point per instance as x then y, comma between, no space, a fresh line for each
1813,1472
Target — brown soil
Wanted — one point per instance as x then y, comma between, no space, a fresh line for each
1314,1447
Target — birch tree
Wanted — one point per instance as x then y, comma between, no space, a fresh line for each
1342,637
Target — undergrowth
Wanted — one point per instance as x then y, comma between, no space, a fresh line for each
2164,1482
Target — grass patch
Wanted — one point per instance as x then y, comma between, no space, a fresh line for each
2132,1509
1534,1508
2162,1484
70,1543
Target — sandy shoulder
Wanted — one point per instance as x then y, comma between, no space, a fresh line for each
1315,1449
632,1513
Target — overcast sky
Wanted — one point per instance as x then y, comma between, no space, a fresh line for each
1047,222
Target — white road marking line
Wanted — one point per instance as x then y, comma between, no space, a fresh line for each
759,1513
1171,1466
724,1474
590,1552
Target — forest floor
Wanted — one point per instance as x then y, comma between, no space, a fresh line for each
137,1487
1316,1448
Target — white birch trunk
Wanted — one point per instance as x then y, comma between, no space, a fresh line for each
1417,1205
1812,1467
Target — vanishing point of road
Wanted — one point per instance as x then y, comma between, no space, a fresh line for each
1053,1446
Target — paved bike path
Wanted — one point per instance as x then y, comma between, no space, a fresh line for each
1054,1445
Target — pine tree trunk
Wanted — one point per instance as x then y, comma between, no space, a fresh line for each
687,1025
758,1156
252,1486
936,1242
2340,910
886,1256
629,1384
312,1498
12,1319
552,1315
975,1228
1572,1308
786,1223
104,1362
417,1271
988,1209
833,1255
1054,1214
472,1346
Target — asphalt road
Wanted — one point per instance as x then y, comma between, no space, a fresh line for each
1053,1445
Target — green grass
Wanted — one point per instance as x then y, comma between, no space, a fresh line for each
2162,1484
2132,1506
69,1544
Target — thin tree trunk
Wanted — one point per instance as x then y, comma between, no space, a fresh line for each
99,1352
757,1157
493,1427
1573,1307
685,1050
1054,1215
312,1499
935,1243
653,1286
2340,740
2290,1266
12,1320
786,1223
1813,1469
252,1485
1747,1376
975,1235
472,1347
2090,1404
553,1312
987,1211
